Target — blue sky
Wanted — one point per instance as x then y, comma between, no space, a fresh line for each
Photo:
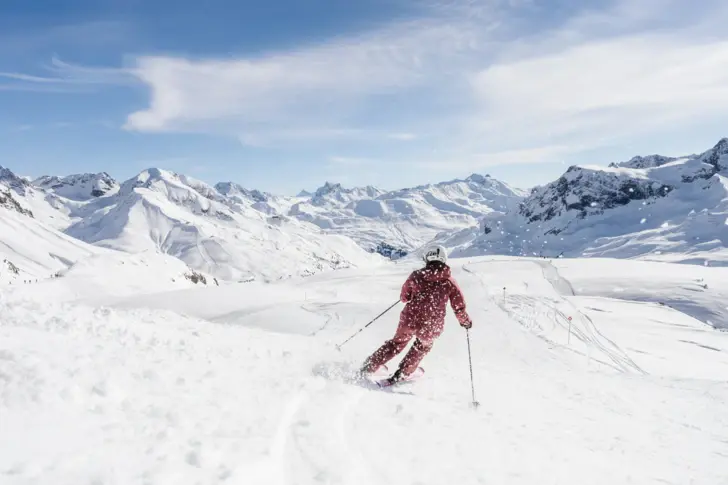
286,94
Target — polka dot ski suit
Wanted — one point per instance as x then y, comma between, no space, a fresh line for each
426,293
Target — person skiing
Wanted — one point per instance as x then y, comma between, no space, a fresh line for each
426,293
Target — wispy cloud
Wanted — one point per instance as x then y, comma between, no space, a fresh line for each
591,74
321,85
601,90
60,76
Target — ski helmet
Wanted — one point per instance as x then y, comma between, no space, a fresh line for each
435,253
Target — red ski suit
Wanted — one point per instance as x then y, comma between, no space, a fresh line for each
426,293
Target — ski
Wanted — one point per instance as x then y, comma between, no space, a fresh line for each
383,371
419,372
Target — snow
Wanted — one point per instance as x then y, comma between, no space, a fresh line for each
35,249
242,383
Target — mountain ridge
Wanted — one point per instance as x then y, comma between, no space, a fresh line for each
654,207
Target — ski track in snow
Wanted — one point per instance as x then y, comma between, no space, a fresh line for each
141,395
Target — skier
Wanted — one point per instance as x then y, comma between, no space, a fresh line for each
426,293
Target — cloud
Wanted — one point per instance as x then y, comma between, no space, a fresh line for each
622,86
477,85
66,77
315,87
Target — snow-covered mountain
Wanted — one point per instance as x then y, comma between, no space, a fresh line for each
235,233
79,187
32,251
225,236
400,221
227,232
261,201
651,207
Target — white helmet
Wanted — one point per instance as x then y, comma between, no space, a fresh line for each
435,253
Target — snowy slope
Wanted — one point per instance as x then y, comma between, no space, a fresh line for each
29,248
697,291
44,206
110,275
192,221
35,256
408,218
654,207
248,387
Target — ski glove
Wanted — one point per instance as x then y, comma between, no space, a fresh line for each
467,324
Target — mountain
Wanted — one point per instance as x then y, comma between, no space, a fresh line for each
78,187
260,201
228,235
29,249
394,223
11,181
230,231
650,207
32,251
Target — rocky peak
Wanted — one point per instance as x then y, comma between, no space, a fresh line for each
328,188
716,156
478,179
78,186
231,189
649,161
586,192
12,181
7,201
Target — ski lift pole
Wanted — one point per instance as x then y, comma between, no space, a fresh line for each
338,347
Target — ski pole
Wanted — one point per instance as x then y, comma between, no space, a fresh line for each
470,360
338,347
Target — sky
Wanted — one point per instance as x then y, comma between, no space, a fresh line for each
283,95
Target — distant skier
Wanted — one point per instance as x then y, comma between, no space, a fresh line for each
426,293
